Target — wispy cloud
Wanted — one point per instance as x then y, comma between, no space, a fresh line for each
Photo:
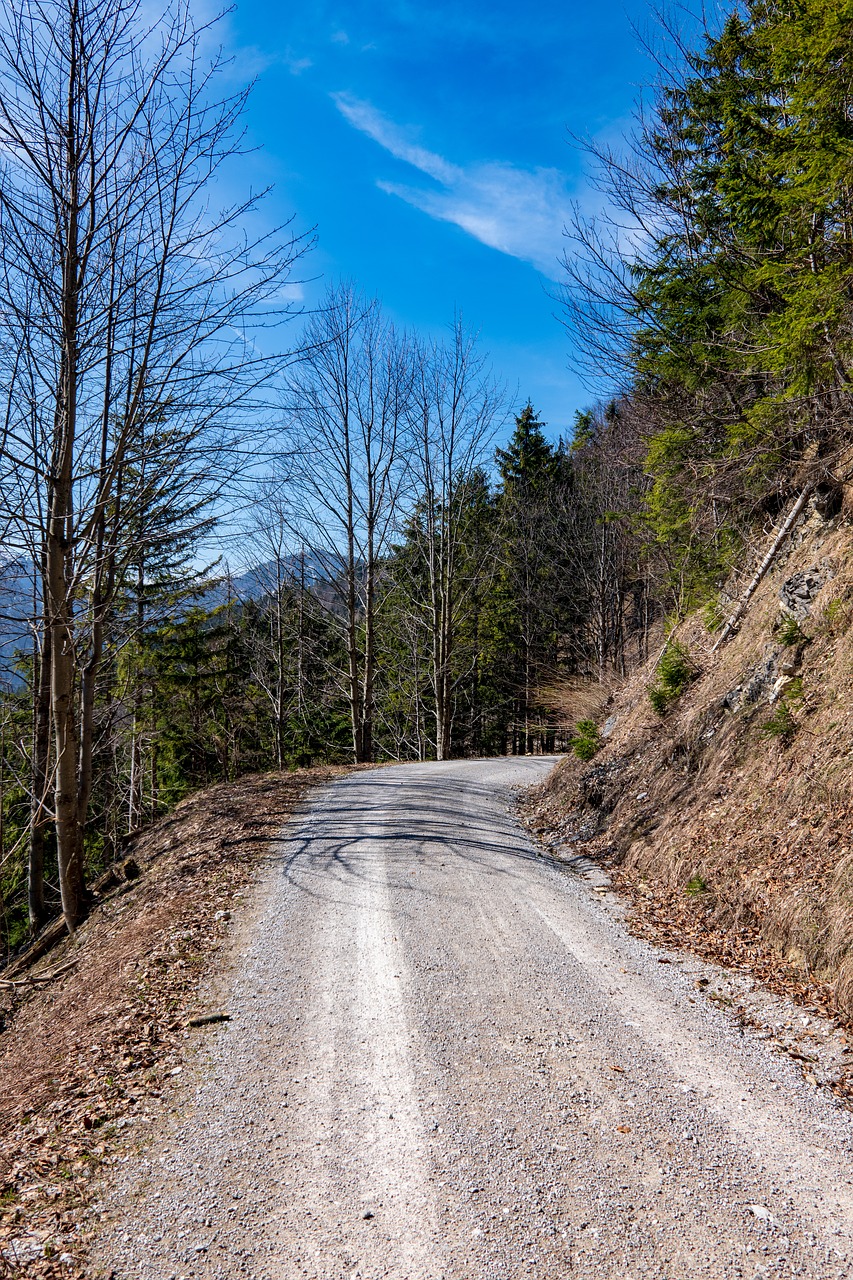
292,292
520,212
295,64
365,118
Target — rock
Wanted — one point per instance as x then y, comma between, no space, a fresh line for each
757,687
827,500
609,726
130,869
797,592
780,688
22,1249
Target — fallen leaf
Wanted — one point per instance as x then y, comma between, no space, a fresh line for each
623,1128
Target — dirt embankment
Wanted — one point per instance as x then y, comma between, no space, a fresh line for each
729,817
88,1055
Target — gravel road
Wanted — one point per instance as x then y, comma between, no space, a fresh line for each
447,1058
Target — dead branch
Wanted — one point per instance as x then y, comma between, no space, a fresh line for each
35,979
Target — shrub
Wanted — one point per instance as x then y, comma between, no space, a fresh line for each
674,673
586,739
781,724
713,614
835,616
790,632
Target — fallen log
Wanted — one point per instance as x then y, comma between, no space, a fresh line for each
46,941
757,578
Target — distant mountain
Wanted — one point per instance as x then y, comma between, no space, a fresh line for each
314,568
17,589
17,581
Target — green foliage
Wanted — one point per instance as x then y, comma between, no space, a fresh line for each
742,304
586,740
696,559
714,614
835,616
782,725
584,429
529,463
674,673
695,887
794,692
789,631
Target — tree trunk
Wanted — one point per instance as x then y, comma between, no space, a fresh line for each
60,532
41,759
279,675
443,683
64,728
87,720
353,664
368,672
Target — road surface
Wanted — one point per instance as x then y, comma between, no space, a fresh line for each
447,1058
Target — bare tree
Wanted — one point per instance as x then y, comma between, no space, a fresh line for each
125,299
457,410
348,401
607,560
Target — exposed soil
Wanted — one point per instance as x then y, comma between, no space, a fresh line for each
87,1059
728,821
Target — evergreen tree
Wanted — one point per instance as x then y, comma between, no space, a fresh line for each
531,606
732,307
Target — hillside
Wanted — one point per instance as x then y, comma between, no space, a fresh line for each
727,818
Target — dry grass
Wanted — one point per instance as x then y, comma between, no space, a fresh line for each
575,698
727,836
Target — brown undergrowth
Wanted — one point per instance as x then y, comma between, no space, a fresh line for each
86,1059
728,820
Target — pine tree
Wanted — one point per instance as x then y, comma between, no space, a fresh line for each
530,606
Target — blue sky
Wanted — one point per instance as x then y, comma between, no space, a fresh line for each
429,145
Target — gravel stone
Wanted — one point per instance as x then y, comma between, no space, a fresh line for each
434,1024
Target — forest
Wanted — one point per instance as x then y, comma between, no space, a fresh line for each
412,590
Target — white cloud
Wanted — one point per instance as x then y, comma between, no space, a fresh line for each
293,291
519,212
296,65
365,118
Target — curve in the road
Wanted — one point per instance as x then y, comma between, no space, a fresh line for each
447,1059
